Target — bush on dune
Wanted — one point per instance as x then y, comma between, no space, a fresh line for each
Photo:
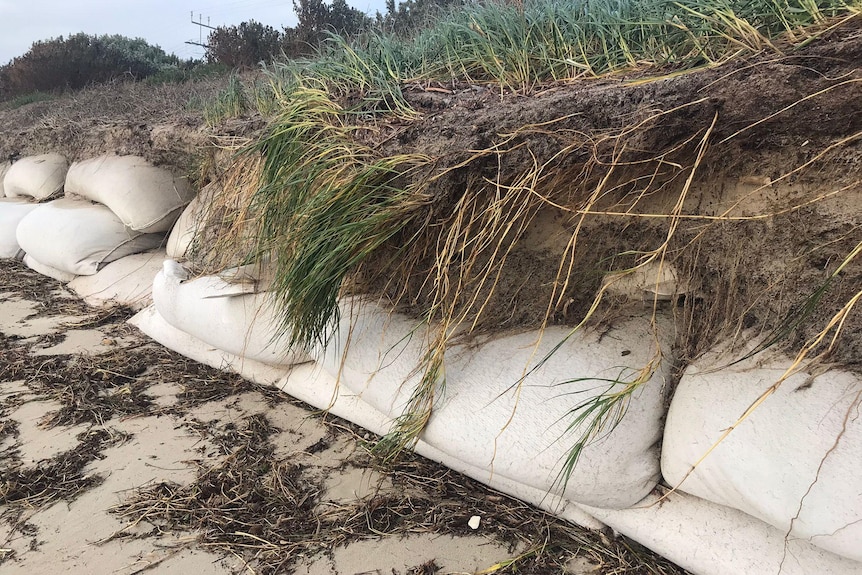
80,60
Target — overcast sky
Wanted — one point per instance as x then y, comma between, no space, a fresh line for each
166,23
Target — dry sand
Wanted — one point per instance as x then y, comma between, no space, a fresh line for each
366,515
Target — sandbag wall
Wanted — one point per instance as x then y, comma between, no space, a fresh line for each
780,494
99,224
503,418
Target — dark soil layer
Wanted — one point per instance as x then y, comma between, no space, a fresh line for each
163,123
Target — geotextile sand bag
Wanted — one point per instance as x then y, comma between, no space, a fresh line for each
795,462
79,237
12,211
506,405
190,221
127,281
145,198
232,316
38,177
149,321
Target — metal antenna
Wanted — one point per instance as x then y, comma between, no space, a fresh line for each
201,25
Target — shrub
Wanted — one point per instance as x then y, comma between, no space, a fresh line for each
251,43
411,16
80,60
243,46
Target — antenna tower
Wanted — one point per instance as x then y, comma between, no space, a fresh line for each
201,25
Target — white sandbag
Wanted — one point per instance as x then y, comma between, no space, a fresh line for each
518,432
193,216
79,237
616,470
46,270
12,211
228,316
4,167
310,383
145,198
154,325
37,177
127,281
795,462
710,539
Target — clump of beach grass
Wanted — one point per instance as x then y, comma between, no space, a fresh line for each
231,102
319,204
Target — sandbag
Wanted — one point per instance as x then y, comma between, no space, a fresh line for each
230,316
46,270
12,211
795,462
149,321
710,539
485,418
37,177
79,237
192,218
313,385
145,198
127,281
4,167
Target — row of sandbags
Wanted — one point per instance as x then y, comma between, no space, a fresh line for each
781,491
376,354
510,400
99,211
